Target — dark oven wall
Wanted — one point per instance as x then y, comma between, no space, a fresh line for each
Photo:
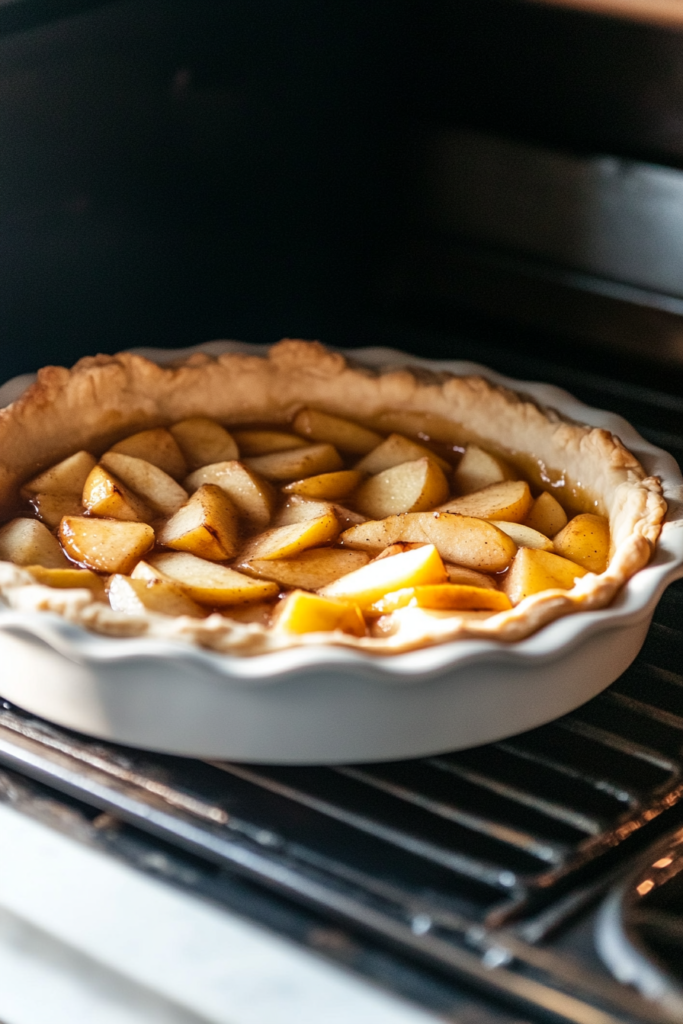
171,173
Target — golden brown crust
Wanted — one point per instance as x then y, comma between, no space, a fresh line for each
104,398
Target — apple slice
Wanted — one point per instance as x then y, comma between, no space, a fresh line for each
309,570
524,536
51,507
469,577
67,477
105,545
478,469
334,430
367,585
297,510
263,442
205,582
509,501
409,487
137,596
326,486
585,540
395,450
252,496
546,515
301,612
534,571
203,441
206,526
157,446
260,612
159,490
104,495
464,540
285,541
68,579
297,463
444,596
28,542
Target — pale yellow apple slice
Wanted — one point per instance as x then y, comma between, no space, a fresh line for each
105,495
253,496
524,536
205,582
394,450
156,487
68,579
326,486
534,571
157,446
301,612
105,545
478,469
285,541
409,487
367,585
203,441
469,577
28,542
463,540
343,434
546,515
67,477
297,463
206,526
309,570
509,501
445,596
297,510
585,540
51,507
264,442
137,596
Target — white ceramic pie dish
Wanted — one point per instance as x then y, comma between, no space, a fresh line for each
328,704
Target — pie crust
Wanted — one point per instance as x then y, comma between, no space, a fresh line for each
105,398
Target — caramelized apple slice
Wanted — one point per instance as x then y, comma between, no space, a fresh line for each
524,536
297,510
546,515
469,577
297,463
301,612
585,540
263,442
67,477
464,540
395,450
343,434
157,446
367,585
309,570
205,582
253,496
28,542
409,487
285,541
509,501
478,469
51,507
534,571
206,526
105,545
203,441
68,579
159,490
444,596
137,596
104,495
326,486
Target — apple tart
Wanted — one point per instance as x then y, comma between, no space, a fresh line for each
247,504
